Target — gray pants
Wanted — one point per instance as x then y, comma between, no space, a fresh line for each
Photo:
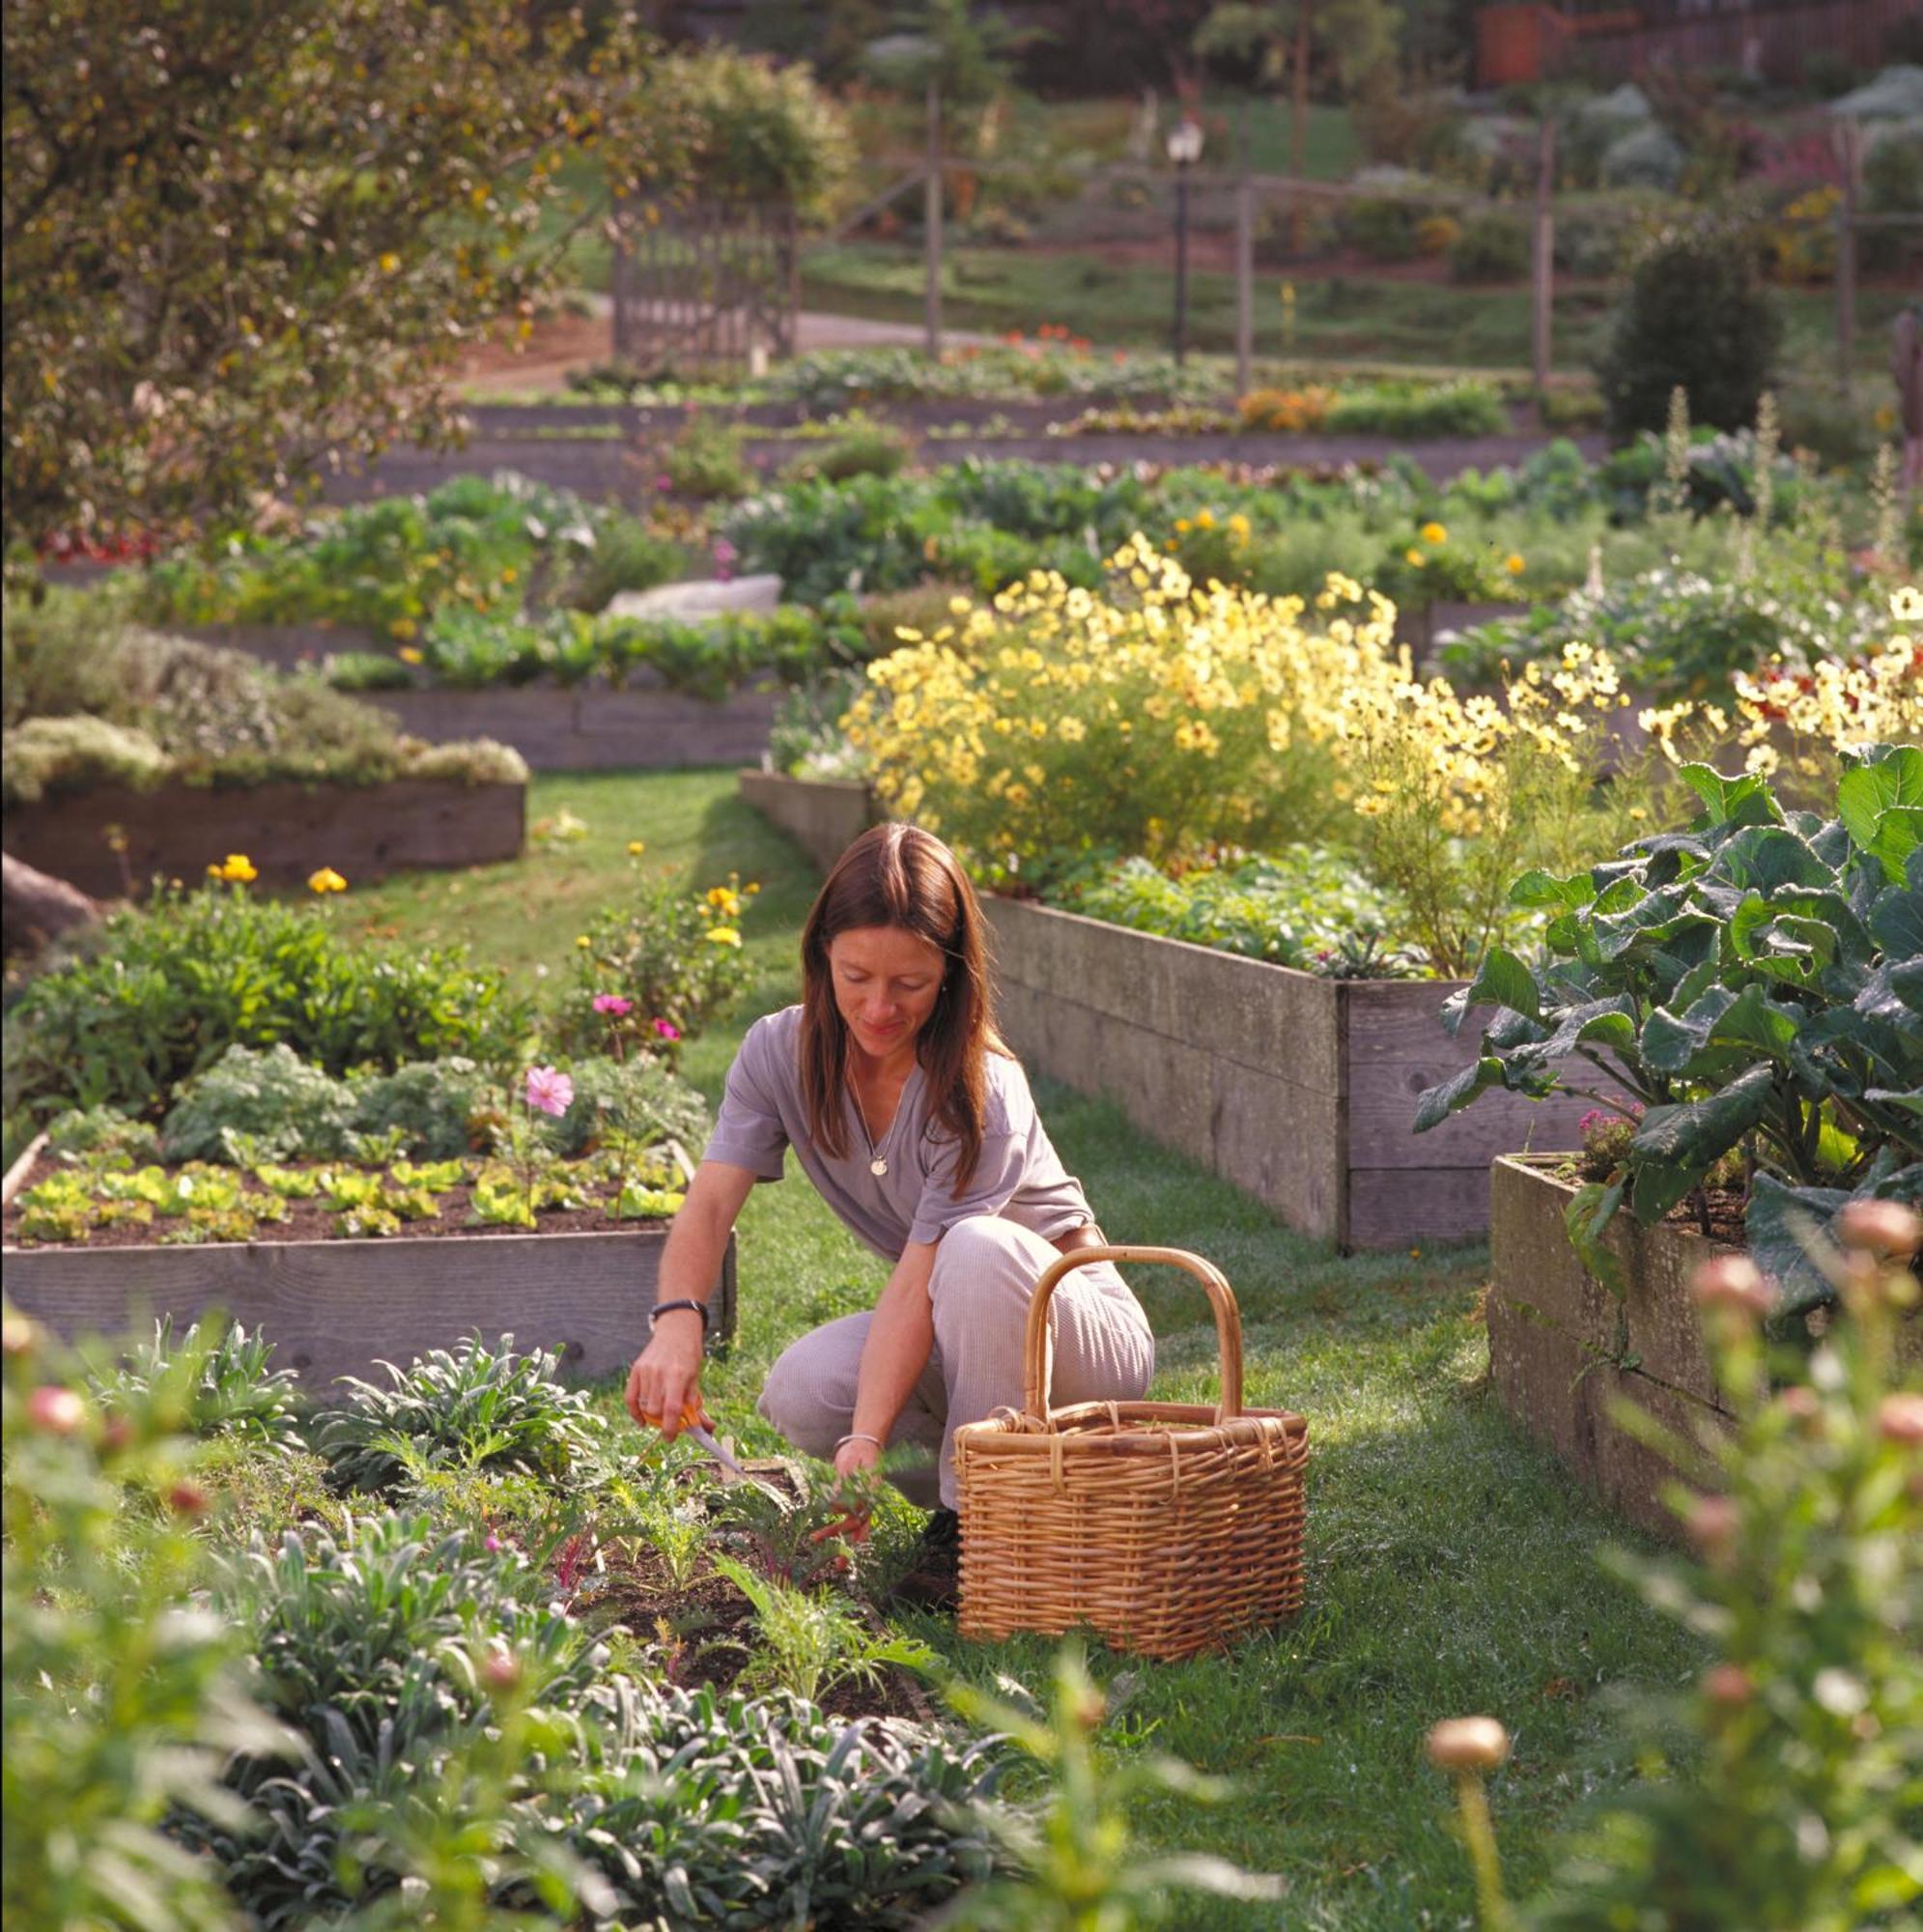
1100,1347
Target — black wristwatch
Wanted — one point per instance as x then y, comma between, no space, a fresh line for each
662,1307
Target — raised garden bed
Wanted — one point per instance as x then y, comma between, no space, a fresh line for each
1301,1090
823,816
336,1307
1563,1348
363,832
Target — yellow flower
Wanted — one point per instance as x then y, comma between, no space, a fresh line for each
1205,519
403,627
725,900
1434,534
326,880
390,262
1414,556
1183,526
238,868
582,941
409,655
722,935
635,848
1513,564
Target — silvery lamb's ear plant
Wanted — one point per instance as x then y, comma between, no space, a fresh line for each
473,1407
228,1388
1755,981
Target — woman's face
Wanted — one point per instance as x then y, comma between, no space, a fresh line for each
886,983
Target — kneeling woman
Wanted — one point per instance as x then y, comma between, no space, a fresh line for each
915,1122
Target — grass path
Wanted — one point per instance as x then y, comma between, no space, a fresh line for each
1450,1564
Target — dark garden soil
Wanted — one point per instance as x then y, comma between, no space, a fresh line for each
314,1220
1716,1212
704,1633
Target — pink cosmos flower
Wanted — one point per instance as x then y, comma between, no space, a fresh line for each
666,1030
493,1543
613,1005
549,1090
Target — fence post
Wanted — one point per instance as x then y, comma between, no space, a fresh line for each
1542,278
621,285
932,228
1245,278
1848,145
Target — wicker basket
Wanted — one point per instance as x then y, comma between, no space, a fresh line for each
1165,1527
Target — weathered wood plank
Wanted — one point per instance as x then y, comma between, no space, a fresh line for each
1397,1047
1411,1207
363,832
335,1308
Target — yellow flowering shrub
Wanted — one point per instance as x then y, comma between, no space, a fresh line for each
1162,718
1454,796
1793,725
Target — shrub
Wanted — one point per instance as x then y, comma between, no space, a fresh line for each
1438,235
433,1104
1382,231
1160,718
50,755
469,1409
706,461
1284,412
167,988
673,958
634,1103
281,1103
1306,906
1490,248
1696,316
863,448
1752,981
806,740
1465,407
626,555
104,1131
218,1374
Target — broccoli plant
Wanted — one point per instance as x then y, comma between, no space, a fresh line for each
1754,982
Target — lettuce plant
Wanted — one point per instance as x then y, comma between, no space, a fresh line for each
1754,981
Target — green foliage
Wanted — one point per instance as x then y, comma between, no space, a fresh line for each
1079,1869
811,1641
1781,1787
806,740
236,1394
108,703
122,1699
473,1407
1696,316
1306,906
1680,632
1382,230
829,382
627,556
433,1104
672,953
1755,979
629,1106
862,447
309,306
285,1104
1465,408
390,564
55,754
754,131
1490,248
707,462
103,1131
167,988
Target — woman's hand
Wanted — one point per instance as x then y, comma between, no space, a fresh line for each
666,1376
854,1456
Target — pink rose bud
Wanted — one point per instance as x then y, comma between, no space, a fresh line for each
1900,1419
1732,1281
501,1670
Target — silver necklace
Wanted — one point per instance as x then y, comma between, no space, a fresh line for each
877,1155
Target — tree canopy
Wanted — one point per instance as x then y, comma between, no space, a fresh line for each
239,237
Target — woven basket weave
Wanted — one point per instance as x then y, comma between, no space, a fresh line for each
1165,1527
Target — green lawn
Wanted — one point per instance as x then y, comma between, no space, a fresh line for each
1450,1564
1337,318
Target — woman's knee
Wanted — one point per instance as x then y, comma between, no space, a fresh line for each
810,1393
985,1260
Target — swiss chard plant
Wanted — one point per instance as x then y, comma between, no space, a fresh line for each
1754,982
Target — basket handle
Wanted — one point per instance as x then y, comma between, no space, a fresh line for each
1222,1298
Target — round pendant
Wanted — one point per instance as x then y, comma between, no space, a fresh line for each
878,1165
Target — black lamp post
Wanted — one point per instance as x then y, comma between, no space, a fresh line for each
1184,150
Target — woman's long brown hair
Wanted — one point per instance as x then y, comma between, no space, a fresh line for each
898,875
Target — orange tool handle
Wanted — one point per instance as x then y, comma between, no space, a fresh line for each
691,1415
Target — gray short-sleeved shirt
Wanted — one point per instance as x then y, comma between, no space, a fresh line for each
1019,1176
